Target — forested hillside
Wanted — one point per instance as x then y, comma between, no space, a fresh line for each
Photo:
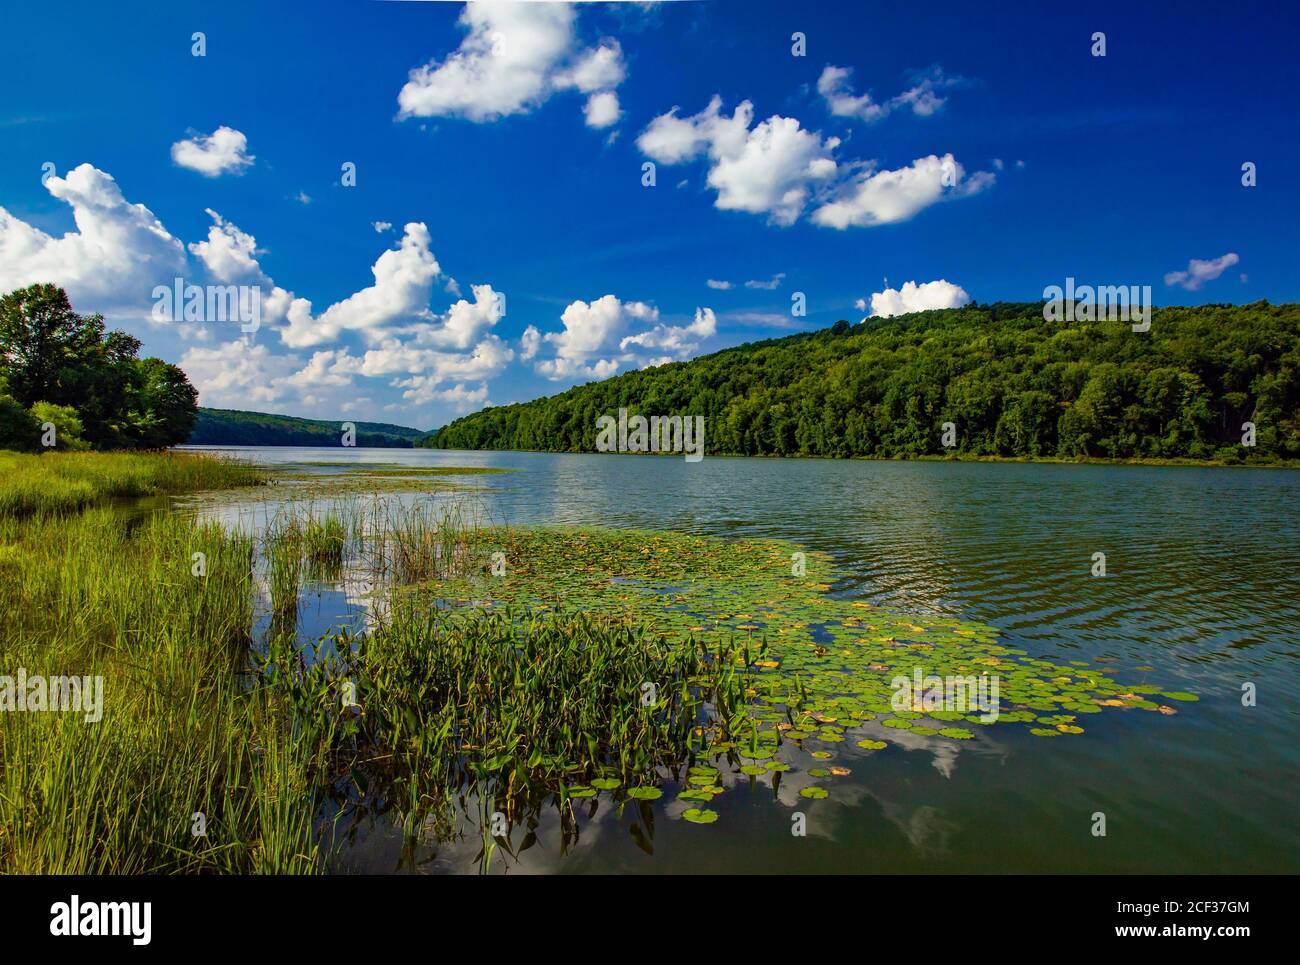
231,427
1012,383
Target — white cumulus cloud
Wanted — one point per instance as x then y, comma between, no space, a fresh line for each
224,151
529,343
513,58
884,197
780,169
113,260
602,110
917,298
771,169
403,284
679,339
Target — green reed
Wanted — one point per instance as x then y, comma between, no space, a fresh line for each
64,482
252,741
525,705
181,732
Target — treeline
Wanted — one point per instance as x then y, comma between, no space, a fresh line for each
233,427
66,381
1011,383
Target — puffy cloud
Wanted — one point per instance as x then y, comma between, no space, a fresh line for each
1199,272
116,256
487,360
403,284
529,343
120,252
462,399
923,98
513,58
917,298
779,169
565,369
681,340
236,373
326,369
602,109
670,139
588,328
768,170
600,68
593,345
465,320
393,315
833,85
884,197
224,151
381,226
230,256
721,286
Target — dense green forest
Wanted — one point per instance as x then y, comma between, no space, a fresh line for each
231,427
1012,383
67,383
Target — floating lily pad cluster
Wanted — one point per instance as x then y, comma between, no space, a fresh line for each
820,670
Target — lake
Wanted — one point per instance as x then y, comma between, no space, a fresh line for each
1201,589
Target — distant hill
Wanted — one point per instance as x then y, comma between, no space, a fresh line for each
1011,383
232,427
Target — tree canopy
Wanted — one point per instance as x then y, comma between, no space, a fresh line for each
1010,382
61,368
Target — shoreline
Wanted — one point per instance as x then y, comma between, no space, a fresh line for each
1181,462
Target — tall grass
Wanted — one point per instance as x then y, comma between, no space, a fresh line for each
181,734
204,728
506,707
63,482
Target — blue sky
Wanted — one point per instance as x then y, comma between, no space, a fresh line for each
973,153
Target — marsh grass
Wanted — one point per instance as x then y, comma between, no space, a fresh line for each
509,709
99,594
66,482
516,710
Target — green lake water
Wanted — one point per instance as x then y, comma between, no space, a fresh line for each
1202,587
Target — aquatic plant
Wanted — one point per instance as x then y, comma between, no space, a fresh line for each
66,482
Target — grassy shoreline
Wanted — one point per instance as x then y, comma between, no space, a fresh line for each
65,482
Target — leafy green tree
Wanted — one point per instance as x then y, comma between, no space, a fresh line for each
50,354
45,345
166,405
63,420
19,429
